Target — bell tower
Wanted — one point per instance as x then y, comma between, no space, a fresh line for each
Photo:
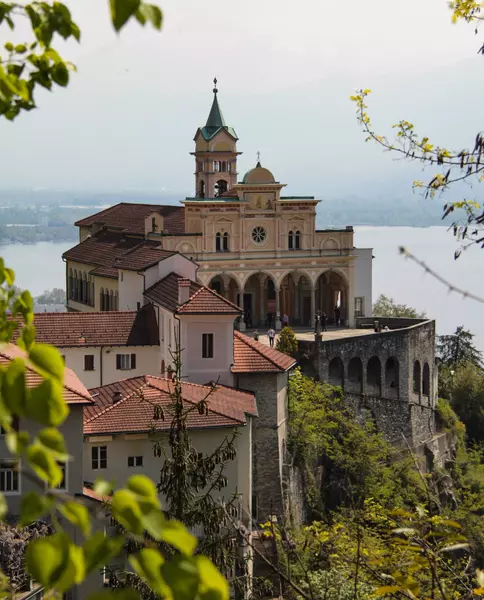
215,154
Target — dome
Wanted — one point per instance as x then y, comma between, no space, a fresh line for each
259,175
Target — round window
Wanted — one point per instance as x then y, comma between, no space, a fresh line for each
259,234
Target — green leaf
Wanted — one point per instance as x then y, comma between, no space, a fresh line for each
213,585
3,506
17,442
20,49
76,569
53,440
127,512
147,564
48,360
387,589
144,489
13,387
47,558
122,11
181,576
77,514
99,549
153,522
9,273
27,337
9,47
103,487
177,535
114,595
33,507
151,13
46,404
44,466
60,74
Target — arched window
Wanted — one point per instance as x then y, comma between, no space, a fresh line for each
70,284
226,242
216,166
101,299
106,299
218,242
417,374
84,288
201,191
290,242
355,375
111,300
153,224
426,380
223,166
116,301
76,286
391,378
220,188
336,372
271,290
93,293
229,166
297,240
373,376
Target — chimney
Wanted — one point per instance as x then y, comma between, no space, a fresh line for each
117,396
183,291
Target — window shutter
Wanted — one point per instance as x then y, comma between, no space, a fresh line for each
210,345
133,361
118,361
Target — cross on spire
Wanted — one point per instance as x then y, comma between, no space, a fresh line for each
258,159
215,90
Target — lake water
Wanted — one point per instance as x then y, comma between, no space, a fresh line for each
40,267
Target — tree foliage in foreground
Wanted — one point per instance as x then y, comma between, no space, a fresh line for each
29,64
385,306
448,165
57,561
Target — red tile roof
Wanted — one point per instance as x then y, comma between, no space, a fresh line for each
131,217
91,494
110,272
74,391
134,411
120,328
202,300
253,357
141,258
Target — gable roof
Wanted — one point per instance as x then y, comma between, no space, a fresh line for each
253,357
134,411
202,300
130,217
74,390
119,328
142,257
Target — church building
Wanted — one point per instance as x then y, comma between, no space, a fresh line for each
254,246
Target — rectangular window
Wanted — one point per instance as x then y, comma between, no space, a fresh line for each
229,167
9,476
125,362
135,461
359,307
99,455
207,345
62,487
201,167
89,362
216,166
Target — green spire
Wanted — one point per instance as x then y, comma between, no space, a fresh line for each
215,118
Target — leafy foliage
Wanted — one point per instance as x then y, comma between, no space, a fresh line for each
287,342
457,349
32,64
387,307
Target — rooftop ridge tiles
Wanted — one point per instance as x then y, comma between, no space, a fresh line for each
259,348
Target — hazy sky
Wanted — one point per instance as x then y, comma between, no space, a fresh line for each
285,72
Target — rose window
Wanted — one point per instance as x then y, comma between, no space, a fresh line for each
259,234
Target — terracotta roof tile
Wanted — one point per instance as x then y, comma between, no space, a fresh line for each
207,301
133,412
253,357
120,328
91,494
131,217
141,258
165,291
74,391
110,272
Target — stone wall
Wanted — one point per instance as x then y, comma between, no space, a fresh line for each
389,377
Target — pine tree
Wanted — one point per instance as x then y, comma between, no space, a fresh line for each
457,349
287,342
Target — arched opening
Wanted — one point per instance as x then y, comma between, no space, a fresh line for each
84,288
220,187
297,240
290,243
392,378
106,299
336,372
116,300
223,166
76,286
111,300
373,376
217,284
70,283
153,224
426,380
417,374
101,299
218,242
201,189
225,244
259,300
355,375
332,298
93,293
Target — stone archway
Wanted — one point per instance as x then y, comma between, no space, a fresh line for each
226,285
260,297
332,291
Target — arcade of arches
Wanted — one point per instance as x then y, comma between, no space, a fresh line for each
262,299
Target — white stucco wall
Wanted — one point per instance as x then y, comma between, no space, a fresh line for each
130,285
147,363
119,448
363,278
203,370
